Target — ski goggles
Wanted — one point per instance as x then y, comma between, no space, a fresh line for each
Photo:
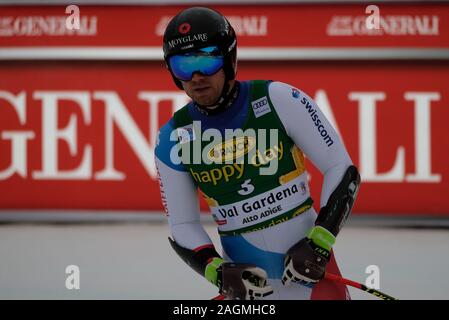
206,61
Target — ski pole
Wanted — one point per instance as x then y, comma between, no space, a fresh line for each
333,277
360,286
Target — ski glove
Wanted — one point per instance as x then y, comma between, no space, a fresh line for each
238,281
305,262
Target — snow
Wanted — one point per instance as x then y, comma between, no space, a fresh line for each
135,261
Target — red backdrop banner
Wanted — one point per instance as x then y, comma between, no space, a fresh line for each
299,25
82,135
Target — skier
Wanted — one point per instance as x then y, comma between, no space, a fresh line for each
275,245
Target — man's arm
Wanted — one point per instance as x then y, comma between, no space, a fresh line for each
312,133
315,136
179,195
190,240
182,208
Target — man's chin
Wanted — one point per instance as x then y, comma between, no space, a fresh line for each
205,102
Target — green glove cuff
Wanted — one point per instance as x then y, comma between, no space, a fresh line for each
321,237
210,273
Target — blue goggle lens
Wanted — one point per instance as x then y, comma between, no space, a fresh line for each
206,61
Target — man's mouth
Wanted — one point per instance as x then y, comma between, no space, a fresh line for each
201,89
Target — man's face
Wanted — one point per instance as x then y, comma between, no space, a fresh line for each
205,90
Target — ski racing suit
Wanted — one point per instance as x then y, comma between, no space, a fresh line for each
259,216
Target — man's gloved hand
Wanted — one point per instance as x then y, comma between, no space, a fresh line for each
305,262
238,281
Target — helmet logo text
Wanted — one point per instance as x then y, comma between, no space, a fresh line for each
190,38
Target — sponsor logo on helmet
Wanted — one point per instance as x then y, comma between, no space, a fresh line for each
184,28
185,40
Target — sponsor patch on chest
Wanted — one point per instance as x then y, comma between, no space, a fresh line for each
186,134
261,106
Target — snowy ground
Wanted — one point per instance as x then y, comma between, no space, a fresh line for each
135,261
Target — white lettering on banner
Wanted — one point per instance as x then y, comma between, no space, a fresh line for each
368,140
19,153
368,145
18,103
249,25
18,138
243,25
30,26
51,134
117,114
153,98
388,25
162,25
422,136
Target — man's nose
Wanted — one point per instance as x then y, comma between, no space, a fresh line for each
197,76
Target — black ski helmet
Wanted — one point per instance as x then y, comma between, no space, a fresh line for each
200,27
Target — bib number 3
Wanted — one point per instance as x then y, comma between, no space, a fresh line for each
247,188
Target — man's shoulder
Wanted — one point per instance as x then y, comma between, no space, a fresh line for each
182,116
164,133
184,107
165,142
280,87
284,92
275,87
